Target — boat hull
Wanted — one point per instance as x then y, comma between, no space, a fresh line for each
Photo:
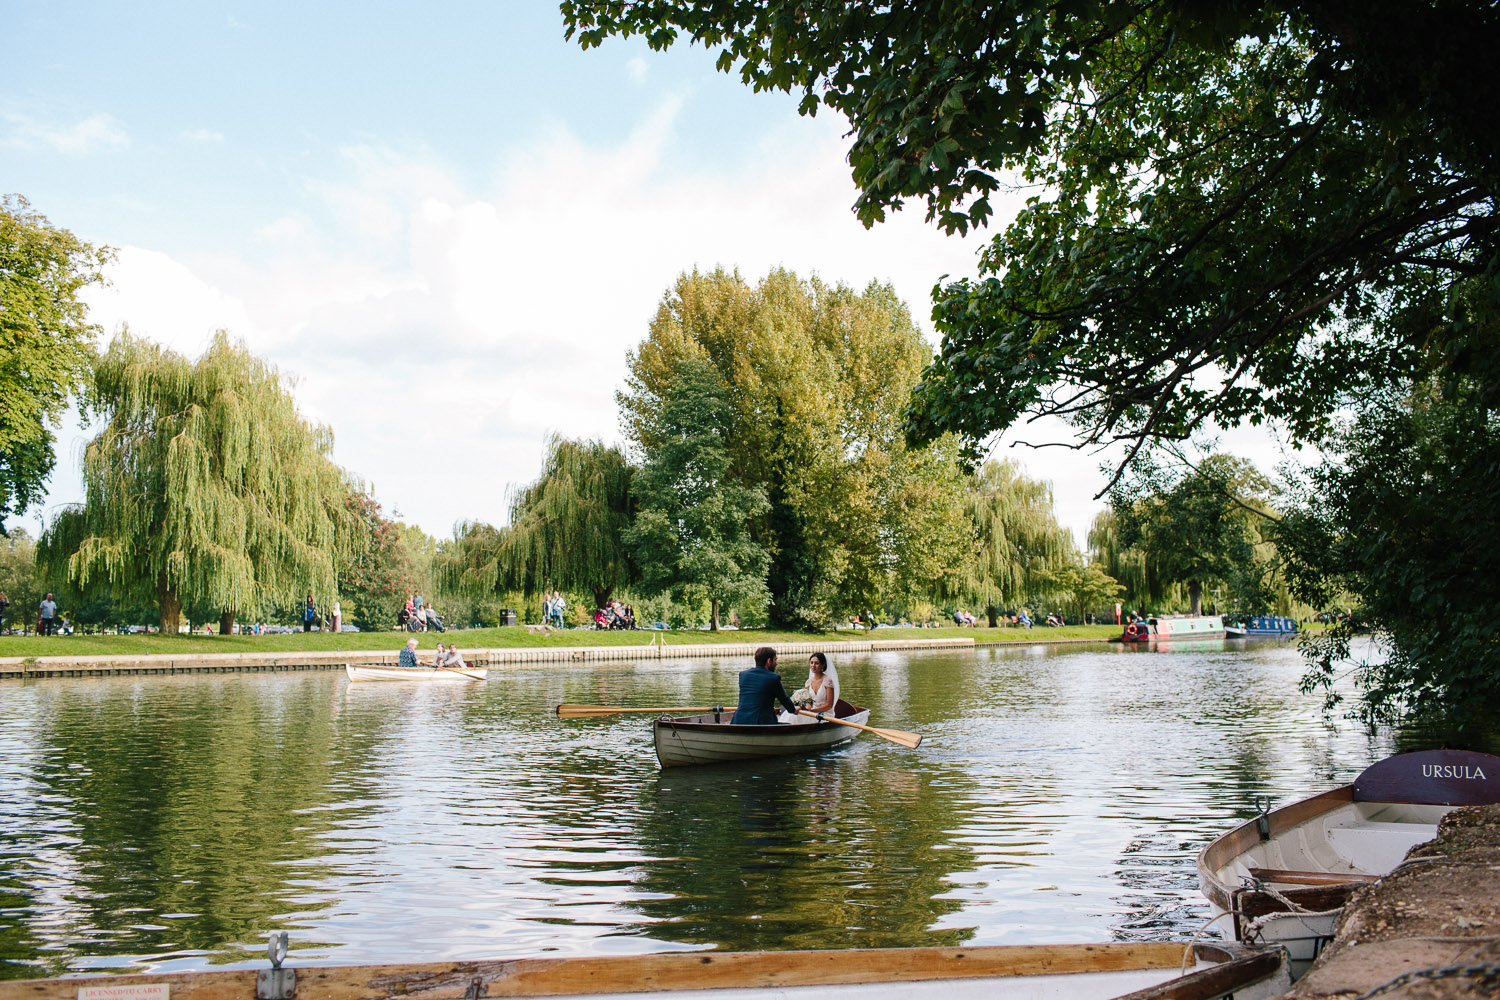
712,739
439,675
1285,876
1139,970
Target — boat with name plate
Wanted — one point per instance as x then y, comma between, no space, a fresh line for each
1147,970
1167,628
382,672
711,738
1284,876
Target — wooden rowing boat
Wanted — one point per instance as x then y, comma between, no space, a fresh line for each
377,672
1285,875
711,738
1140,971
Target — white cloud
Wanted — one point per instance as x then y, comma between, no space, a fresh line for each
201,136
96,133
444,327
636,70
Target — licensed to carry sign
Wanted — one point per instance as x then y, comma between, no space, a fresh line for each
135,991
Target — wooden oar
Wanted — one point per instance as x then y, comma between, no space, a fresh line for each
460,670
909,740
589,711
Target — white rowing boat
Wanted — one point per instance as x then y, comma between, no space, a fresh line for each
377,672
1285,875
711,738
1139,971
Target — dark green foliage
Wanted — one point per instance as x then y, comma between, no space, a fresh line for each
46,343
1405,522
692,532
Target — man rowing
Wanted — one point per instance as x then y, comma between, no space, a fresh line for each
760,690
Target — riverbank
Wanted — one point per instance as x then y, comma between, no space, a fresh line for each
1435,921
115,654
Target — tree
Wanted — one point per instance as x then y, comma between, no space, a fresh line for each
46,343
1194,526
1083,587
1403,523
691,536
815,377
376,567
1247,212
18,578
566,527
205,485
1019,540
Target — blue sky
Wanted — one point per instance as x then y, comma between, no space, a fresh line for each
448,225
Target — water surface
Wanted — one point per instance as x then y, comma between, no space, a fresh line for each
166,823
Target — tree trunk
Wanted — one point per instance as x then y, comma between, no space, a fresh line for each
226,622
601,597
169,606
1195,594
713,615
993,614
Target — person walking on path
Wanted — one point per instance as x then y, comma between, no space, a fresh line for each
309,614
46,613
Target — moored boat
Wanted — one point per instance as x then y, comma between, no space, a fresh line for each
1165,628
379,672
1284,876
1137,970
711,738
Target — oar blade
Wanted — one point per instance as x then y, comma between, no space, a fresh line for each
909,740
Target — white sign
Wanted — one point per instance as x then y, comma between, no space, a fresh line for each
135,991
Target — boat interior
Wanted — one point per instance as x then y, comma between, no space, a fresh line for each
1353,839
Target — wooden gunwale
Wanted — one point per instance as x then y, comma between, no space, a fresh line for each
1245,836
529,977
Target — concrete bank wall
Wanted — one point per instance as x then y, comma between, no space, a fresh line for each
226,663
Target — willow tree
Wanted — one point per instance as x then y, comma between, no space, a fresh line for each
205,485
566,527
1019,541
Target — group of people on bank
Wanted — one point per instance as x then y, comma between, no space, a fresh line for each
419,615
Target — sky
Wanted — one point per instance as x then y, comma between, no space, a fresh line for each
447,226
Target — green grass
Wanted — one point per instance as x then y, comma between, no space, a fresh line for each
491,638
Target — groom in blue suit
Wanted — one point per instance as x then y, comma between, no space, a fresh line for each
760,690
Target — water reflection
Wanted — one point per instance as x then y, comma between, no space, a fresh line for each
1060,795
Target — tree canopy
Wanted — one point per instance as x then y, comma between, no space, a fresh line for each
46,342
1018,538
205,485
1195,526
815,376
691,536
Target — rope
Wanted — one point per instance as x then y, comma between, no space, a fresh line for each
1488,974
1187,956
1294,909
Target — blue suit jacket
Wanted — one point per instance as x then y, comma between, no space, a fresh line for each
760,690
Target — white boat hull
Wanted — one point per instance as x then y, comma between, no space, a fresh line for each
711,739
373,672
1283,878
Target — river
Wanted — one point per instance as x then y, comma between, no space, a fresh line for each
1061,794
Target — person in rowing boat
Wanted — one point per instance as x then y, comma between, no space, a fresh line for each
408,656
454,658
823,682
437,656
760,690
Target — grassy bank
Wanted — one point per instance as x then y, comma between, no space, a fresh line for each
491,638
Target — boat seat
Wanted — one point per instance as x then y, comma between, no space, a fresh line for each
1378,846
1289,876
